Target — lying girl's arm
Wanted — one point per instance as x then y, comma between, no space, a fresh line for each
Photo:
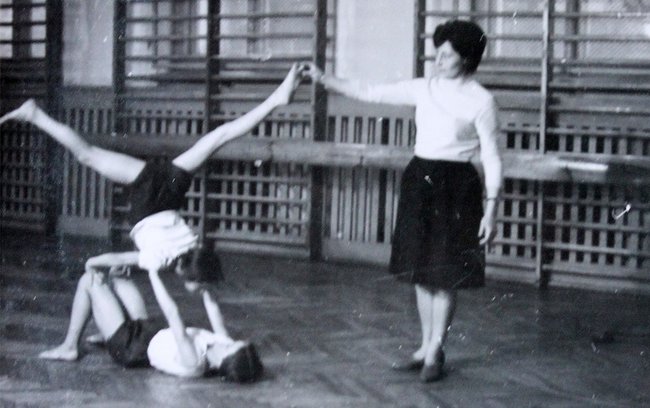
186,349
214,313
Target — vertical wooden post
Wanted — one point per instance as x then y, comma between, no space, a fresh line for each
572,28
211,88
318,131
53,80
546,73
22,31
119,65
119,73
418,43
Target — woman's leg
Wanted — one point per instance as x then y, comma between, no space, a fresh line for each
442,312
424,301
443,305
117,167
92,294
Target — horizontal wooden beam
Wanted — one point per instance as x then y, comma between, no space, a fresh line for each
603,169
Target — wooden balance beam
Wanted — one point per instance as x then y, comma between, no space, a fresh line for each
559,167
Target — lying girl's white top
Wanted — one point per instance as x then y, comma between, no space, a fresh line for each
163,351
456,120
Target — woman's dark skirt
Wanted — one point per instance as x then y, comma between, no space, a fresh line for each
435,243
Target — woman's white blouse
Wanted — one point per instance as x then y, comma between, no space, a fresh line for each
456,120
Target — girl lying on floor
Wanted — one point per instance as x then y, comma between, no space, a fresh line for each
135,340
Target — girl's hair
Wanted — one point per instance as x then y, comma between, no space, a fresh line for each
466,38
242,366
201,266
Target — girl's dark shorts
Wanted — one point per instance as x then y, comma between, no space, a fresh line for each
128,345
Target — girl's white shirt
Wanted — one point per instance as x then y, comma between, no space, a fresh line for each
163,351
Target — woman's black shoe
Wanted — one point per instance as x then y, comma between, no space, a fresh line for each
410,365
433,372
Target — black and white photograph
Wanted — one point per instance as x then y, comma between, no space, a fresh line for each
324,203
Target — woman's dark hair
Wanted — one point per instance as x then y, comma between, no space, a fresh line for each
242,366
466,38
201,266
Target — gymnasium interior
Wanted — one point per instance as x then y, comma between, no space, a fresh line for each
301,210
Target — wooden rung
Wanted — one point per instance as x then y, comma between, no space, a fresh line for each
596,227
198,76
595,249
261,179
263,58
256,219
601,38
240,16
22,76
164,58
26,41
247,77
622,133
513,241
156,38
472,13
30,23
151,115
250,236
265,36
252,97
600,110
298,118
495,37
154,19
255,199
21,200
23,4
174,97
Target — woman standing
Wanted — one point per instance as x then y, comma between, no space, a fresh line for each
441,222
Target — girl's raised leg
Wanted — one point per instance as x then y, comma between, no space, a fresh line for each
200,152
117,167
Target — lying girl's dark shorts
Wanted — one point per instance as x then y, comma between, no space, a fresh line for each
128,345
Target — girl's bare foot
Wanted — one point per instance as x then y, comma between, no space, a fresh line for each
62,352
24,113
285,91
96,339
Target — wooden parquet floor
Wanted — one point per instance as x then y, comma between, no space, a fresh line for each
328,334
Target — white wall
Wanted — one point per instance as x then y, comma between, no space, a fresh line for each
87,42
374,39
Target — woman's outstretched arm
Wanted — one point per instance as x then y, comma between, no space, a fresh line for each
198,154
117,167
397,93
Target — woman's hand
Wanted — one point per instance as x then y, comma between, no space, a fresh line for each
282,95
313,72
488,227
